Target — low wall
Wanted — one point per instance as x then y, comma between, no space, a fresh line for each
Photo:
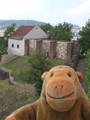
11,80
8,58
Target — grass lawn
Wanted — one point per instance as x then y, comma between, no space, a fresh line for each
21,66
12,98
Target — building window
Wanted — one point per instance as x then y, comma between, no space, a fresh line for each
12,45
17,46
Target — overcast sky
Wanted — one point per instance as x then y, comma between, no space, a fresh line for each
49,11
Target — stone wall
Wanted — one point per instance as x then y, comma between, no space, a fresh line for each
32,47
58,50
8,58
46,45
61,50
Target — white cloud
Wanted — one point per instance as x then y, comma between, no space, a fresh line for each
81,9
10,7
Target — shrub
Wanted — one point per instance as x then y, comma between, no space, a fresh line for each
38,65
88,72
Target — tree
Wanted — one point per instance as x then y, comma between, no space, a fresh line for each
38,65
61,32
84,41
46,27
3,49
4,39
10,30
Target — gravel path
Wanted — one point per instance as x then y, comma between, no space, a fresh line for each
81,67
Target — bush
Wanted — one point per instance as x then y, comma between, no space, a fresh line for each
88,72
38,65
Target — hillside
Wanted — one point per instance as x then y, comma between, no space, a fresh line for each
5,23
13,97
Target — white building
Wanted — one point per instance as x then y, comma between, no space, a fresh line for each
18,43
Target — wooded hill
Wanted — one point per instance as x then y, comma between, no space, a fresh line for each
5,23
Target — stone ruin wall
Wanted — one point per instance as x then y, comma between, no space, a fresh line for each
32,46
46,45
61,48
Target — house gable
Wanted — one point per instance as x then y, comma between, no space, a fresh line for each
36,33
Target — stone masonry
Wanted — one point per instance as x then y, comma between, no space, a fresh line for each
61,50
52,48
32,45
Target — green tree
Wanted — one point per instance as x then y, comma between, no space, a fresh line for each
88,71
38,65
61,32
4,39
3,49
46,27
10,30
84,41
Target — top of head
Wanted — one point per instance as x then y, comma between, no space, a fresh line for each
63,69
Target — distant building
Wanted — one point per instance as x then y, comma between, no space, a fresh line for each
2,33
75,30
19,40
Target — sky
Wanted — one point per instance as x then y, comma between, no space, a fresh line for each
49,11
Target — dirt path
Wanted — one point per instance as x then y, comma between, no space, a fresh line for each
81,67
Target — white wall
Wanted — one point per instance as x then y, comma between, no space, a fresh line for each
14,50
36,33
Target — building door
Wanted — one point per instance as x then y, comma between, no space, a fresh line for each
27,47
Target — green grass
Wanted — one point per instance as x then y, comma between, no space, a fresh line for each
21,66
56,62
12,98
4,85
88,71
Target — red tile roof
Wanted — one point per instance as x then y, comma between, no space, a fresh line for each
21,32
